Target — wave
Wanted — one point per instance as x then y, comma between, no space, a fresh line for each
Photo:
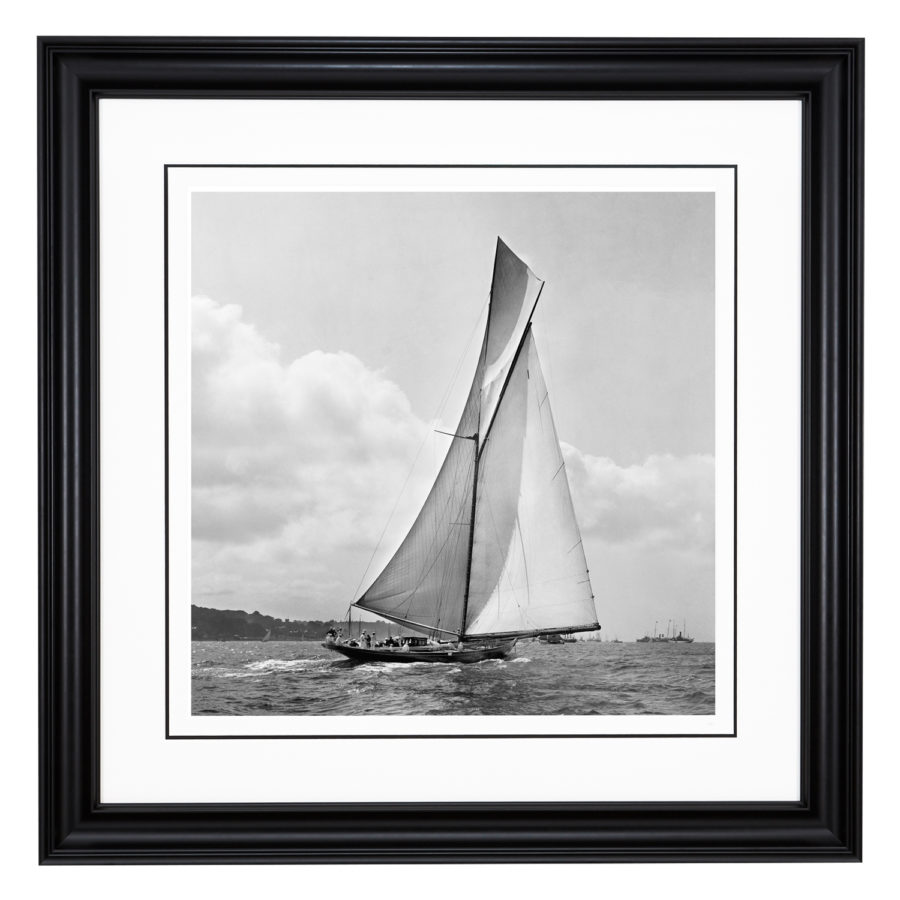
387,667
699,695
264,680
286,665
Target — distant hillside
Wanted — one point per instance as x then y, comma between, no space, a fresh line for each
237,625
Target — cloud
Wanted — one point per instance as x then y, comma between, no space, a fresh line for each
295,465
666,502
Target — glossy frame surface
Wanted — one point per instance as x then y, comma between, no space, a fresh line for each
826,75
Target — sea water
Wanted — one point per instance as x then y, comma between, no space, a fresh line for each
255,678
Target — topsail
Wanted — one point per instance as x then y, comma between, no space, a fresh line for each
495,549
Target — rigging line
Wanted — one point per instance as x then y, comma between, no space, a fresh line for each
390,516
547,342
446,582
442,591
461,359
462,437
427,572
434,537
437,412
544,581
443,509
569,498
434,560
540,406
560,603
460,551
525,568
504,570
450,532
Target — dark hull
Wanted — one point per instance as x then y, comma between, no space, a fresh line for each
495,650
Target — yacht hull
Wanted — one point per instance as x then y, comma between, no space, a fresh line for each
496,650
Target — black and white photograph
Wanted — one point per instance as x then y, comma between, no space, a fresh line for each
453,453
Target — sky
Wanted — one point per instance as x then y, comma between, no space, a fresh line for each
332,333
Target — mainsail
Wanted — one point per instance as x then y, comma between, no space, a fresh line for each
496,548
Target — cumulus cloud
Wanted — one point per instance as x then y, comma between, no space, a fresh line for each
296,465
665,502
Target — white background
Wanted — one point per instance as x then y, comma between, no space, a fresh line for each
18,376
137,763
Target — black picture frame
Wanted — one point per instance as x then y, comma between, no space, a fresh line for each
826,75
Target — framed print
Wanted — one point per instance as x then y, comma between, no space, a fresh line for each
474,424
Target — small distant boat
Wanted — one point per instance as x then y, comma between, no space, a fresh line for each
682,637
616,640
556,639
644,640
499,513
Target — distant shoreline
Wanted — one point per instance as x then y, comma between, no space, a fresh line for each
209,624
223,625
315,640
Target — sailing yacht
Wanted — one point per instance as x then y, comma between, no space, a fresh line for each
495,554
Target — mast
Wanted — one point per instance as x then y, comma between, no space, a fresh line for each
477,440
465,606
